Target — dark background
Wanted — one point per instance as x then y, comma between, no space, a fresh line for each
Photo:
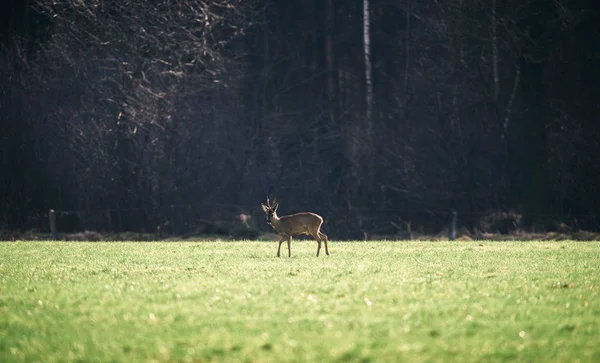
130,115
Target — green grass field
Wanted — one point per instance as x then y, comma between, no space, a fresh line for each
235,301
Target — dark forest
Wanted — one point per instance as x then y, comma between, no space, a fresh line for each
383,116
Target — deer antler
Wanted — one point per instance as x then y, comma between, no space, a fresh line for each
272,206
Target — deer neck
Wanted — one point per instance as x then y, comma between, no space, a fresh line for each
275,221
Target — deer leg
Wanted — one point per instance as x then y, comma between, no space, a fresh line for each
279,249
316,236
289,242
324,236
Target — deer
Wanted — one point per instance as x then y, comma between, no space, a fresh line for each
294,224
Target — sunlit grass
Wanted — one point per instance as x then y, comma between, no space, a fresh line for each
235,301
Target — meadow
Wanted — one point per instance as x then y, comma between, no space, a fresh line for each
235,301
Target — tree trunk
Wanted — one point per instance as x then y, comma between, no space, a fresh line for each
532,157
329,25
368,70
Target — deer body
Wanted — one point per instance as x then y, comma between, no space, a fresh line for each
295,224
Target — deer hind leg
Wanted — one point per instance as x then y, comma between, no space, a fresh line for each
279,248
316,236
289,243
324,237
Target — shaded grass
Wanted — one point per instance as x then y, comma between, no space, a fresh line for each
235,301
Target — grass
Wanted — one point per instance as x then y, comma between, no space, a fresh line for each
235,301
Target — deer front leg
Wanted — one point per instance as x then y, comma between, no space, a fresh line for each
289,242
279,248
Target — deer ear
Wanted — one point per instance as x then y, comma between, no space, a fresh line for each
275,207
264,207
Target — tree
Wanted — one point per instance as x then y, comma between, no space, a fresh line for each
137,68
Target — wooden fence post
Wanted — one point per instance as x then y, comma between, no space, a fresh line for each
453,217
53,229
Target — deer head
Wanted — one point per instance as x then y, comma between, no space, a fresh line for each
270,210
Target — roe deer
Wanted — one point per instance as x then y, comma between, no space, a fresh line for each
299,223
